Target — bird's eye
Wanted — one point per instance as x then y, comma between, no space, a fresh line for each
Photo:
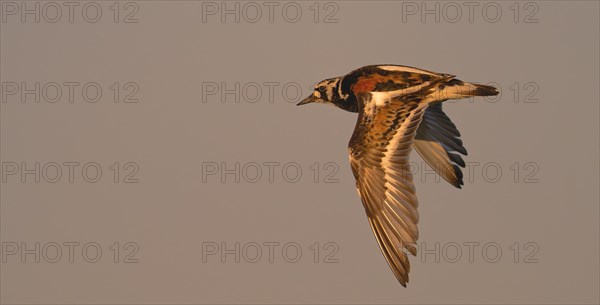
322,88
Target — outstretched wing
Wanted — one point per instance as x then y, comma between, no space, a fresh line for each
392,103
439,144
379,152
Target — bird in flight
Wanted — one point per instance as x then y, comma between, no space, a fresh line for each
399,107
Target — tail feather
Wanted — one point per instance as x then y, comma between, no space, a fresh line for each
484,90
457,89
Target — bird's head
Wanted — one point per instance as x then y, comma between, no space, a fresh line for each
331,91
325,92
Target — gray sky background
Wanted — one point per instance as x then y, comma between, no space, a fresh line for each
531,188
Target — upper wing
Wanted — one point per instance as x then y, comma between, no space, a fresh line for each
389,81
379,152
438,142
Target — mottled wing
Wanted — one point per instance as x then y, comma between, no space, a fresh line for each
389,81
379,156
439,144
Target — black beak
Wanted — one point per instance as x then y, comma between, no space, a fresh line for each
308,100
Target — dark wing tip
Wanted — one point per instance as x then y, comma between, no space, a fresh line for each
458,183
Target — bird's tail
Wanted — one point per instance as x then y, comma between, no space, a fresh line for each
457,89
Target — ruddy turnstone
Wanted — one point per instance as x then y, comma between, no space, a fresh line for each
398,108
